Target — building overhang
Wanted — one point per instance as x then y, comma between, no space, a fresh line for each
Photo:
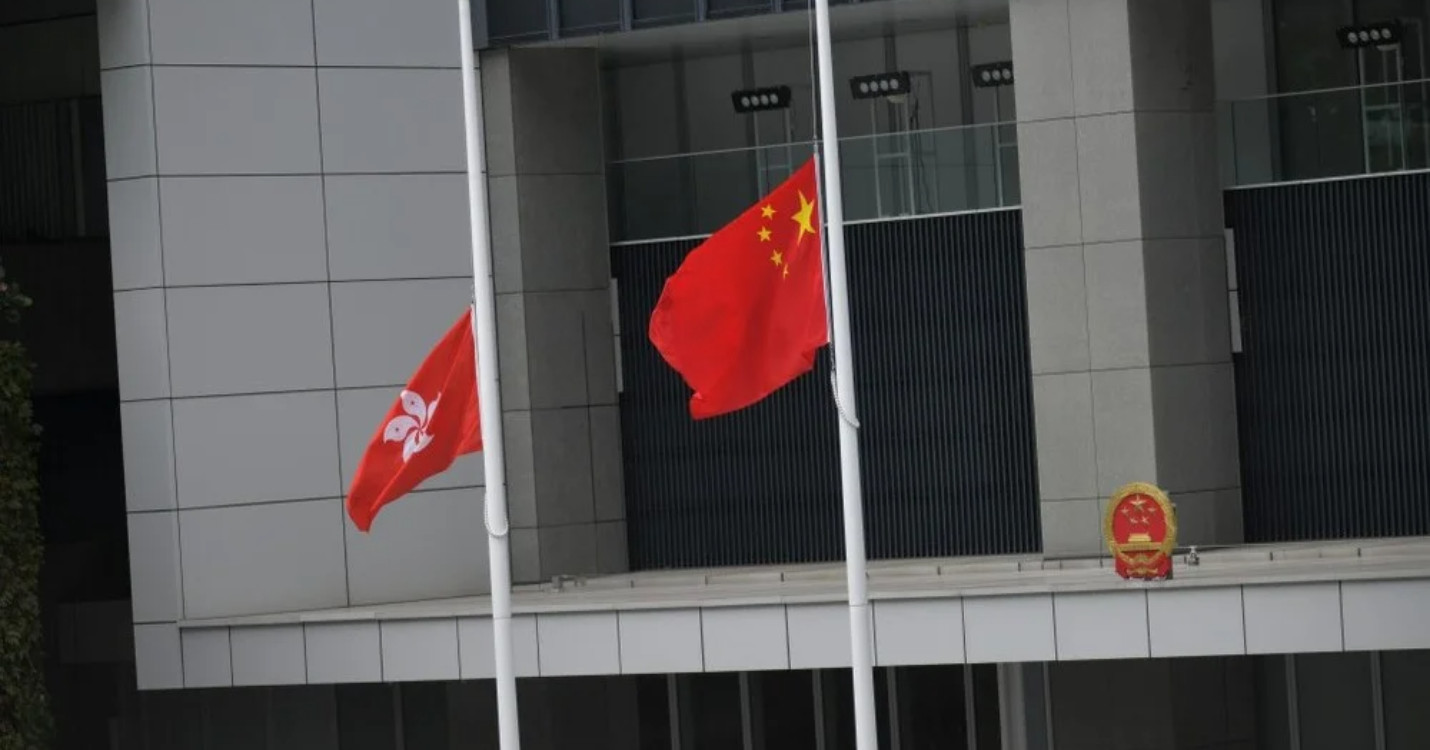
1355,596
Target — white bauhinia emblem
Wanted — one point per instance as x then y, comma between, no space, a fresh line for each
410,429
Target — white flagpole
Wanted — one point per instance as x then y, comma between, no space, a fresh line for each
488,390
860,617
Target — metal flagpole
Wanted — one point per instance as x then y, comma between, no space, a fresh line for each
860,617
488,390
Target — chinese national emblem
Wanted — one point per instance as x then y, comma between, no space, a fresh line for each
1141,531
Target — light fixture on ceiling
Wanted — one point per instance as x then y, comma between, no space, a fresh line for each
761,100
993,74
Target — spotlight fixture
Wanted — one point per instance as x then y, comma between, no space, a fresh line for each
880,85
993,74
1382,34
761,100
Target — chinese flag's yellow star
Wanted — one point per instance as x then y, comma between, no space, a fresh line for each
803,217
767,211
764,234
778,258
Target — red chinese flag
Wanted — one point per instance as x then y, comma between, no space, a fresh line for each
434,420
744,314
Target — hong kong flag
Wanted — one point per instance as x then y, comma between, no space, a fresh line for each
434,420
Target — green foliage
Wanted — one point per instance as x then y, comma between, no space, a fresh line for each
24,711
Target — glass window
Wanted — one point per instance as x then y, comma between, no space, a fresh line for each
424,715
710,712
662,12
302,718
1333,701
366,720
589,16
783,706
513,20
1405,681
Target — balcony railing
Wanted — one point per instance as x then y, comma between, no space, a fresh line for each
885,176
1342,132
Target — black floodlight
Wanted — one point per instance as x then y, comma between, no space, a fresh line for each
761,100
993,74
880,85
1382,34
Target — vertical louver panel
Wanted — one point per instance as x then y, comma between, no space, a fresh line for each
1333,385
45,181
947,444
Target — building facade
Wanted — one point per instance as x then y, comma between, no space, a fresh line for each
1094,242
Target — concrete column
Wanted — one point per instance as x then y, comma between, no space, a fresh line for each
1122,220
552,265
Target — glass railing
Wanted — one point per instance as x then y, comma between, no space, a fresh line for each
1340,132
885,176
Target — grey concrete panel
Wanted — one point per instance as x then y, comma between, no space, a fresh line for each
342,652
745,638
525,555
419,650
243,560
495,69
288,444
587,643
1187,317
1207,518
520,469
1071,527
561,442
1101,61
1116,305
819,636
1126,429
557,345
1048,181
141,344
612,555
207,661
249,339
1386,615
123,32
556,108
1173,66
1062,414
154,566
360,414
148,443
475,637
243,230
568,550
564,240
428,545
383,330
504,205
398,226
135,257
1196,622
660,641
158,662
1101,625
599,331
1180,193
914,631
1302,618
1057,309
607,470
1042,51
222,32
1195,412
511,352
128,98
272,655
381,32
391,120
237,120
1009,628
1107,157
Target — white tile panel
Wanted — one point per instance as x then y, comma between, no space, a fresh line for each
382,330
158,662
1196,622
745,638
377,120
262,559
1386,615
918,631
123,32
583,643
381,33
148,442
134,257
288,442
419,650
207,662
819,636
660,641
243,230
141,344
128,101
1101,625
268,655
154,566
249,339
225,120
223,32
360,413
343,652
398,226
427,545
1062,415
475,638
1292,618
1009,628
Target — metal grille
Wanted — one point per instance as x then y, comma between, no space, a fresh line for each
944,389
51,170
1333,385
